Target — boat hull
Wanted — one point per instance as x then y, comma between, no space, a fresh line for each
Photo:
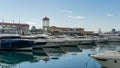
39,45
17,45
53,44
70,43
86,42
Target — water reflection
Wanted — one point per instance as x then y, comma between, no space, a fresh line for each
111,46
8,59
86,47
70,49
39,54
60,57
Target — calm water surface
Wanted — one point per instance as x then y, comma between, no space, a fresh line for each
58,57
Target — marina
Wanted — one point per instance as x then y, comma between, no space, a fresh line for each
64,51
59,34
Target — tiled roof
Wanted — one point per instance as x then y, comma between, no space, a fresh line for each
45,18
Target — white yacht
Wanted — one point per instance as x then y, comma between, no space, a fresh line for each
44,40
111,37
39,40
100,39
114,38
85,40
108,59
78,40
68,40
54,41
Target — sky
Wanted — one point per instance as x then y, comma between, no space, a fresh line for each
91,15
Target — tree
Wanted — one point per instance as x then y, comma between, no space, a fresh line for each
33,28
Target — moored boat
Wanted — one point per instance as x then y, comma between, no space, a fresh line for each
108,59
85,40
39,40
111,37
69,40
14,42
100,39
54,41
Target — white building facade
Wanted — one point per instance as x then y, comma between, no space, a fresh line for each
14,28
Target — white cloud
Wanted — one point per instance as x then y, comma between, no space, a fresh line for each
31,23
76,17
67,11
110,14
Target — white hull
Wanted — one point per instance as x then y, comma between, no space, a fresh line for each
49,44
100,39
114,40
54,44
108,59
86,42
109,63
70,43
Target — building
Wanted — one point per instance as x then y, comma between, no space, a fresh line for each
63,30
36,31
16,28
71,31
45,24
88,32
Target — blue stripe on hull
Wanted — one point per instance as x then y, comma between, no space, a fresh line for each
14,44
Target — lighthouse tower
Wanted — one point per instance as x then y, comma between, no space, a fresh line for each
46,24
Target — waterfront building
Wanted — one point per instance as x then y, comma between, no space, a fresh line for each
88,32
46,24
14,28
63,30
66,30
36,31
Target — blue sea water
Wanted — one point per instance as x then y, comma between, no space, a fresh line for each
60,57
